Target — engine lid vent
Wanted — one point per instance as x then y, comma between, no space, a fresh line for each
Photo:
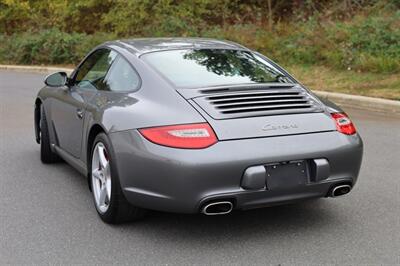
258,103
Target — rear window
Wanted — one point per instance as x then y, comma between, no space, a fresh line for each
212,67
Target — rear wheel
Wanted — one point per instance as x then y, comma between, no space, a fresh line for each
46,154
110,203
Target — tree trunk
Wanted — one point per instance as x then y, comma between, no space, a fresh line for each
270,18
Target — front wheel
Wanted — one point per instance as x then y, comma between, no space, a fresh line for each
46,154
110,203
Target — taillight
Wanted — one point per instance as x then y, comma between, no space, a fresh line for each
344,124
188,136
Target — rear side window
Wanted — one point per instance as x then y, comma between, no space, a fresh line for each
121,77
92,72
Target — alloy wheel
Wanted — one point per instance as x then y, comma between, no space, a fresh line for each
101,177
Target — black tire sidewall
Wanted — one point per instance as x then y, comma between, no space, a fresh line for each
46,154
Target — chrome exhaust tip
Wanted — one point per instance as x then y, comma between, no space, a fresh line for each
340,190
217,208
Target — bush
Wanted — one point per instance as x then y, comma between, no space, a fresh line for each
48,47
363,35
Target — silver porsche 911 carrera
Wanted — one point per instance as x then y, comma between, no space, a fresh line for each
193,126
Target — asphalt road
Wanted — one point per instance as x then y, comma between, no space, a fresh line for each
47,215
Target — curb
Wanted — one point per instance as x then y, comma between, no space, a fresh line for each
361,102
36,69
345,100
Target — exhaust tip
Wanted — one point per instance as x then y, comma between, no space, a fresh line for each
217,208
340,190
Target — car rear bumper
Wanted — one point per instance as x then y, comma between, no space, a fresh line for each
179,180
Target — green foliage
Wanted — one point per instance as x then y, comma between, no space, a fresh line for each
365,43
48,47
362,35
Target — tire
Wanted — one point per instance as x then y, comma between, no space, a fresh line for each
110,202
47,156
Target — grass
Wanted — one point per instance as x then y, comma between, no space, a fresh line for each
351,82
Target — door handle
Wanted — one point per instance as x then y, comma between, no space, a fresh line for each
79,113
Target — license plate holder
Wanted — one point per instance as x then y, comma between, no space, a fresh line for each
285,175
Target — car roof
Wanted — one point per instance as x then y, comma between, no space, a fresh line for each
146,45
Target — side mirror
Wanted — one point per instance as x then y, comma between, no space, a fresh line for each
57,79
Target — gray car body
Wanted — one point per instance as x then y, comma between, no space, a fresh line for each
182,180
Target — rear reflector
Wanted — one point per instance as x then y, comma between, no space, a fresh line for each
188,136
343,123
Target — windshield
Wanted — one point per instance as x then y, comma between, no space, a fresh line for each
212,67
